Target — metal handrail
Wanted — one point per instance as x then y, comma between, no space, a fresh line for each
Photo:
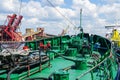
93,68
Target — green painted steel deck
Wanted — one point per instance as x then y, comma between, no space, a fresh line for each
78,57
56,64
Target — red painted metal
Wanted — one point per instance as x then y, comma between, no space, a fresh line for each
47,46
25,48
17,22
9,31
41,45
11,19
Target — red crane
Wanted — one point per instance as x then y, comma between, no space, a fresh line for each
8,32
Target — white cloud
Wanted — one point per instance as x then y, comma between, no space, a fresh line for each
95,17
52,13
33,9
2,19
110,11
109,8
33,20
67,12
38,13
34,13
55,2
90,18
9,5
88,8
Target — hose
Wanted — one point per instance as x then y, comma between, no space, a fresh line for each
8,75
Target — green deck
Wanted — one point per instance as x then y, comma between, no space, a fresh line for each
72,58
60,63
56,64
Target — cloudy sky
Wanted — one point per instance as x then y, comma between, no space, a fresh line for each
62,13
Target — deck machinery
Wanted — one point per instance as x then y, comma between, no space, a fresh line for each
9,32
78,57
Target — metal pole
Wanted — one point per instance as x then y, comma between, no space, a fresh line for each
80,18
81,29
40,50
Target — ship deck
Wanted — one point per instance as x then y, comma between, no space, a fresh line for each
60,63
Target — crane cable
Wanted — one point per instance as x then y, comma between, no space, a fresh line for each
20,7
61,14
19,12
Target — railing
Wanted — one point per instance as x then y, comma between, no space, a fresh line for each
89,71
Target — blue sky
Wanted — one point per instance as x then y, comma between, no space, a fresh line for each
39,13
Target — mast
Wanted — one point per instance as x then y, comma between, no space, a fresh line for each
81,29
80,18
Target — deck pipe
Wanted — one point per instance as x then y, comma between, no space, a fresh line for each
8,75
